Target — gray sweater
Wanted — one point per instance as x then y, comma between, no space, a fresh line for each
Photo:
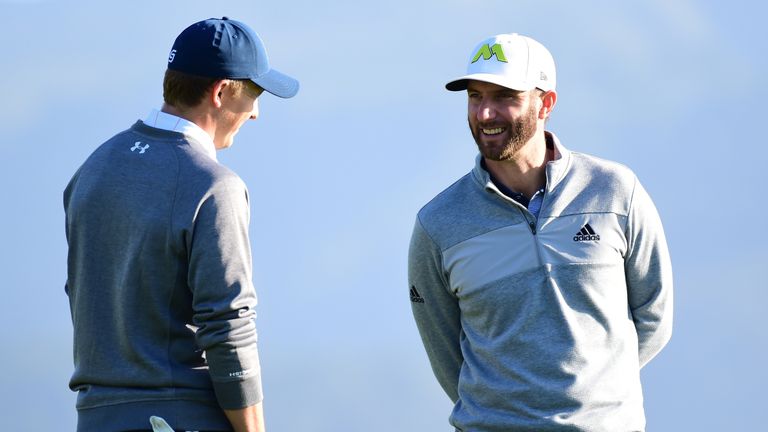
159,285
543,324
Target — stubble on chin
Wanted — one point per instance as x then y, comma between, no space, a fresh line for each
518,133
497,151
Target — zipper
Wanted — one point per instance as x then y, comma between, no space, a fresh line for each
534,237
524,212
531,223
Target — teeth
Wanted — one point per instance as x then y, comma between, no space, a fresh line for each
494,131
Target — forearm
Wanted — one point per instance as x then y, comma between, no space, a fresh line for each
248,419
649,277
436,311
653,337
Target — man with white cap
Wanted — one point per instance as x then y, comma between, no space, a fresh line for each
159,264
540,282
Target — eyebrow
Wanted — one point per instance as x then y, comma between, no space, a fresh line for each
509,91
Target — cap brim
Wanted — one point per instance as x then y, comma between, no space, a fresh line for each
278,83
461,83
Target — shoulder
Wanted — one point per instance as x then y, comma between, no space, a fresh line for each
602,168
601,176
594,184
198,170
446,202
587,171
442,211
208,177
462,211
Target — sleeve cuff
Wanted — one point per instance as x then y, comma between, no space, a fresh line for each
239,394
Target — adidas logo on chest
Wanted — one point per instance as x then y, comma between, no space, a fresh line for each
586,233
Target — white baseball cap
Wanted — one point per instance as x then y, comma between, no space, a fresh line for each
509,60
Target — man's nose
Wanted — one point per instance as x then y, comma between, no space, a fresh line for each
255,110
486,111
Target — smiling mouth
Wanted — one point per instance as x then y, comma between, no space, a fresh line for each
493,131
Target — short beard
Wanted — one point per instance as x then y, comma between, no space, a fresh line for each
520,132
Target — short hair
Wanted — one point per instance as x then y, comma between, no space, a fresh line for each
184,91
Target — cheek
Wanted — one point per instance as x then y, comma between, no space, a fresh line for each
241,120
472,113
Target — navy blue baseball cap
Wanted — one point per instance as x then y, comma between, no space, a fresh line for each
228,49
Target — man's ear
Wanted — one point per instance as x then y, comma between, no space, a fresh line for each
548,101
217,92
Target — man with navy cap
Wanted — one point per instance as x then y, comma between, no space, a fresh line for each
159,263
540,281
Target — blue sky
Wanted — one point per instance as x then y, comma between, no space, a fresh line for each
673,89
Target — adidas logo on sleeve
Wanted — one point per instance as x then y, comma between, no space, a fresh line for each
415,297
586,234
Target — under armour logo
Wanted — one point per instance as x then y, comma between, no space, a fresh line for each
141,149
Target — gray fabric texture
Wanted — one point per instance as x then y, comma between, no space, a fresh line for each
159,285
529,323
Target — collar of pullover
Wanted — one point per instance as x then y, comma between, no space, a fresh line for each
555,168
200,138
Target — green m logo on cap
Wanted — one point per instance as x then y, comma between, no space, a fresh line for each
487,52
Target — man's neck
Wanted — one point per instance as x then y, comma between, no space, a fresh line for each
196,115
526,171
